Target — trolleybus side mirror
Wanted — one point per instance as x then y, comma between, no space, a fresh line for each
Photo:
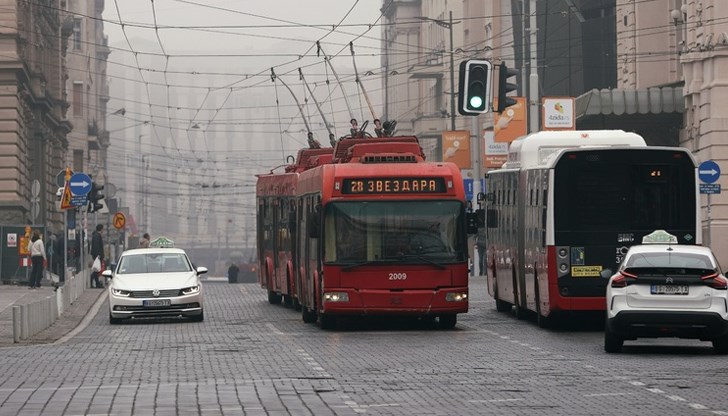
491,218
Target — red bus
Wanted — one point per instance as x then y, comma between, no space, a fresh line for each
381,232
563,210
275,198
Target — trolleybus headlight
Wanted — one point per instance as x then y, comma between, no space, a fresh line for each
336,297
456,297
119,292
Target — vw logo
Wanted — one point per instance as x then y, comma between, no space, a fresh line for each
668,280
155,293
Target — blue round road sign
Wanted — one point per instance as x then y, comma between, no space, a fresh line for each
709,171
80,184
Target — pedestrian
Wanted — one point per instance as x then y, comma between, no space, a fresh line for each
37,256
144,241
480,246
233,273
97,251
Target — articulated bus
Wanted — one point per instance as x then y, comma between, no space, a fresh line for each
275,197
565,207
381,232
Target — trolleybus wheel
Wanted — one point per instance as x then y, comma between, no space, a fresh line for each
326,321
502,306
287,301
447,321
521,312
273,298
308,315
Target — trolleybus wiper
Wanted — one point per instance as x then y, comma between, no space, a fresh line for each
364,263
421,257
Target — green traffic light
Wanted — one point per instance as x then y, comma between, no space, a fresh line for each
476,102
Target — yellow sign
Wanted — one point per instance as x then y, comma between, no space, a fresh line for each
586,271
66,197
510,125
456,148
119,220
23,246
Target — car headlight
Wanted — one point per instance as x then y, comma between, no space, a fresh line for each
456,297
336,297
120,292
191,290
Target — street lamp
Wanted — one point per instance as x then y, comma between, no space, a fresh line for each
448,25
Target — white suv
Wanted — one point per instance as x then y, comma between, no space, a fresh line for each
667,290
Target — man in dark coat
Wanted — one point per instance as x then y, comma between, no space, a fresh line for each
233,273
97,250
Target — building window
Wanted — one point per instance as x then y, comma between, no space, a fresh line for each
78,160
77,98
77,34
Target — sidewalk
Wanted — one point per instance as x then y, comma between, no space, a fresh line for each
19,295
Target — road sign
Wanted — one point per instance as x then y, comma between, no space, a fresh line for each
710,188
79,200
80,183
119,220
66,198
709,171
469,188
61,178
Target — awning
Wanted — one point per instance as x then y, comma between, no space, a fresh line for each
656,100
655,113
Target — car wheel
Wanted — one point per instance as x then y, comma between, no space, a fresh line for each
502,306
612,342
198,318
447,321
114,321
720,345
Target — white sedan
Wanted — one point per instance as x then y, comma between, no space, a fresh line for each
667,290
153,282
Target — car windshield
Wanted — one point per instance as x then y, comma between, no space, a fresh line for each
670,260
154,263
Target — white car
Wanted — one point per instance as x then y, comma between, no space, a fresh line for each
153,282
663,289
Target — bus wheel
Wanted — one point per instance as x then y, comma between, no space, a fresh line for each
502,306
296,305
273,298
447,321
308,315
287,301
326,322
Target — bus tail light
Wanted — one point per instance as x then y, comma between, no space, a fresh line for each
336,297
623,279
715,281
456,297
563,262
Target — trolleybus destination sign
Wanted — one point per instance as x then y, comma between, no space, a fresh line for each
393,185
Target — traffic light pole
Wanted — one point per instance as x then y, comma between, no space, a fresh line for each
475,140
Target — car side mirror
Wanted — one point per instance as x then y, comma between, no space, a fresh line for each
201,270
606,273
107,273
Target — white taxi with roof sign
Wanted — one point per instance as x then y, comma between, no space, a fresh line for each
663,289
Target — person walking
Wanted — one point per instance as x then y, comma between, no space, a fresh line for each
233,273
144,241
97,251
37,256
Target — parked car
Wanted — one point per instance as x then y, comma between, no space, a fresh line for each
154,282
663,289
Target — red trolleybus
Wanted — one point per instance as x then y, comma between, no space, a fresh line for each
275,194
563,210
382,232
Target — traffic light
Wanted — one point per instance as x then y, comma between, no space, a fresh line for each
475,80
504,87
94,196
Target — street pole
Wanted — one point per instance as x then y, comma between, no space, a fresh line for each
533,78
475,140
452,76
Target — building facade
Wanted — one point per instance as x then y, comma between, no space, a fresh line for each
33,123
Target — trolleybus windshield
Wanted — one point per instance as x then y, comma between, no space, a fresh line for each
420,232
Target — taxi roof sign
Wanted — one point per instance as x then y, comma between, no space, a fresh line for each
162,242
659,237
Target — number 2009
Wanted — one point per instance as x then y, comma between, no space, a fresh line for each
397,276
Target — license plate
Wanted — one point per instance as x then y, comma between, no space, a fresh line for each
157,302
669,289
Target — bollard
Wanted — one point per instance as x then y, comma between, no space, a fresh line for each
16,323
24,321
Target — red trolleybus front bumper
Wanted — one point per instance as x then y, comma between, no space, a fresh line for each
398,302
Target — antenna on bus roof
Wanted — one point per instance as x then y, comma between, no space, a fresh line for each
273,78
318,107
